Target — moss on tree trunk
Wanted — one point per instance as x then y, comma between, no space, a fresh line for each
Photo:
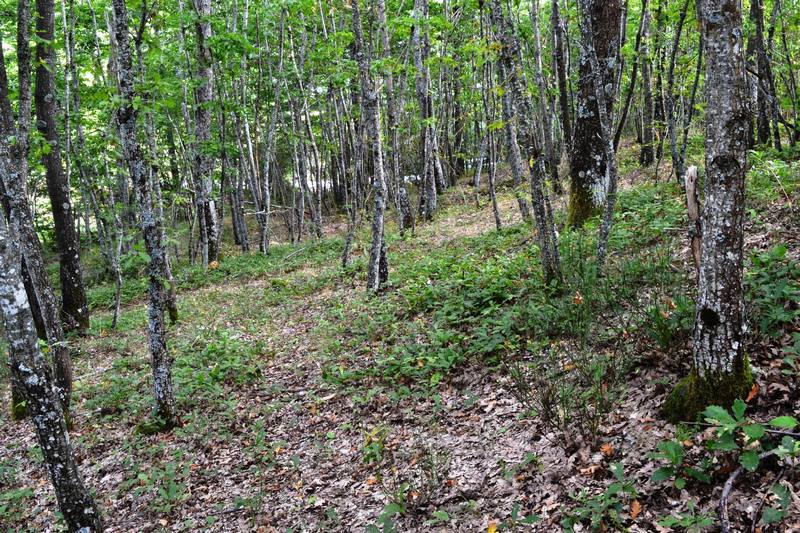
694,393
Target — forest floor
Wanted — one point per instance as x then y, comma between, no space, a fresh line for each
309,406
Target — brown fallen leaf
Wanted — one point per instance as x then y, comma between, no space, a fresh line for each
590,470
636,509
607,449
753,393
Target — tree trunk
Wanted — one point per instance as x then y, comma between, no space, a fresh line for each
588,185
14,177
204,95
151,226
31,373
377,271
720,372
559,41
647,154
73,296
431,166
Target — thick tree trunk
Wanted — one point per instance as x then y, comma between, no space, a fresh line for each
588,183
31,373
606,134
151,226
73,296
721,372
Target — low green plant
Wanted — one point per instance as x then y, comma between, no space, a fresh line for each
604,510
673,453
670,321
736,434
374,445
773,290
777,513
692,521
517,519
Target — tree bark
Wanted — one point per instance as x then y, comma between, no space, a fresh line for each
73,296
377,271
31,373
720,372
588,182
126,117
204,96
647,154
559,42
14,178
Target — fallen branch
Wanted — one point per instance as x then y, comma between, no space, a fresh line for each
725,522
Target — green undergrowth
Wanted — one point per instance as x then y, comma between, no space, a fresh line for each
208,367
480,298
235,267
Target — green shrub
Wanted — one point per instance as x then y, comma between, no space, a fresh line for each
773,290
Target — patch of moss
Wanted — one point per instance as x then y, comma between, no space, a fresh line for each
694,393
580,208
19,410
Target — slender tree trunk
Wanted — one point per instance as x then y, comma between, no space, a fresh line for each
630,89
14,177
430,176
377,271
647,155
677,158
151,226
73,296
559,42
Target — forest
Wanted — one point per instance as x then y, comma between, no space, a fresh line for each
399,265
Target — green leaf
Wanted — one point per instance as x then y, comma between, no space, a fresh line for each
724,443
663,474
680,483
738,409
672,450
749,460
698,474
754,432
717,415
784,422
772,515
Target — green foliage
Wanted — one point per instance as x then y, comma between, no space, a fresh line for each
14,501
164,485
692,521
778,513
603,510
673,453
671,321
773,290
